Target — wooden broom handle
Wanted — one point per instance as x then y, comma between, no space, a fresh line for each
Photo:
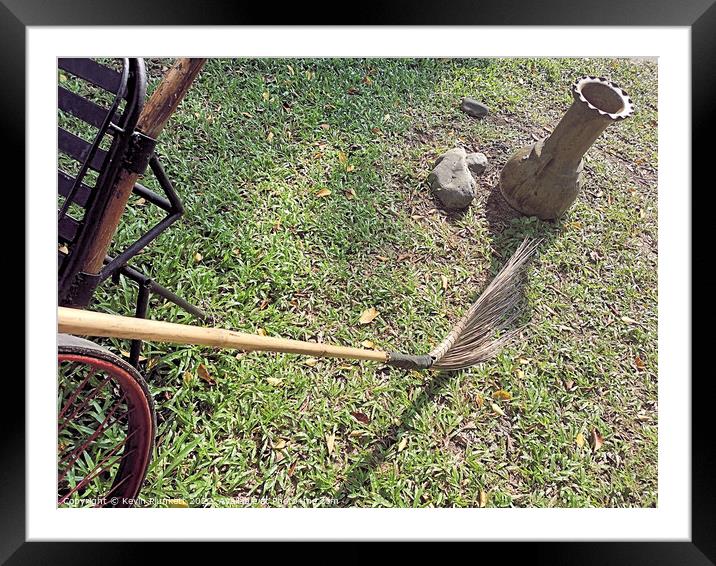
88,323
155,114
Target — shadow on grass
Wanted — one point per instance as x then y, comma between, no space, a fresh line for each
507,229
361,472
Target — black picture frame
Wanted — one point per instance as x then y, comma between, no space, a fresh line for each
699,15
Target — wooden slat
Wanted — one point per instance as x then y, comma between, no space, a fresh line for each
78,149
92,72
67,229
64,184
81,108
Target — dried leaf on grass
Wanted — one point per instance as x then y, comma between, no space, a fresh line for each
497,409
204,374
368,316
483,498
501,395
361,417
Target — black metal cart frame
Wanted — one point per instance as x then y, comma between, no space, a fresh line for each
116,145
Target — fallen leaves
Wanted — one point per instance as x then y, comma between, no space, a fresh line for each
483,498
368,316
360,417
501,395
444,281
198,257
368,344
595,440
204,374
323,193
275,381
496,408
402,444
330,443
580,440
639,363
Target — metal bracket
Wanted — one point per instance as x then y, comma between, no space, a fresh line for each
140,150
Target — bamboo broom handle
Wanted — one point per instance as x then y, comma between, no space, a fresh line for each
155,114
88,323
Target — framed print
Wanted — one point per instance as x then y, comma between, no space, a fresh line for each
422,276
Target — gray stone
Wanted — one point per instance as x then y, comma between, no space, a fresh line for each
477,163
451,181
472,107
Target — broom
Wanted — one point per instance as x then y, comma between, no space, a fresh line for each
471,341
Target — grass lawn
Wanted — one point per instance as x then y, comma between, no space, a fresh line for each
264,248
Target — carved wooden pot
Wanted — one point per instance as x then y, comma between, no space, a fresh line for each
544,179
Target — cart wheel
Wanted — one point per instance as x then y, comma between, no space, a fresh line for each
105,427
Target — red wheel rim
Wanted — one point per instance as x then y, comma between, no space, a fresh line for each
105,433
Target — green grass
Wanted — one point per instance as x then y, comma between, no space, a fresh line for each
248,150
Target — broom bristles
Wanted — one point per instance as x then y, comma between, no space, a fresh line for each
473,340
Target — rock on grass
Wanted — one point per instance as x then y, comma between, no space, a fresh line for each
476,163
451,181
473,108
